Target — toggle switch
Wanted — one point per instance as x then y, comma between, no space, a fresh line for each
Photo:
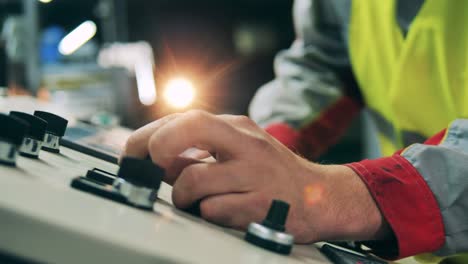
56,127
136,184
97,188
101,176
32,142
11,136
139,181
270,234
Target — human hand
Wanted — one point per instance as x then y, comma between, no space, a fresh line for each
251,169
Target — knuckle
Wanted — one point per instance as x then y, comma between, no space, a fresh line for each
195,119
191,176
185,188
208,210
196,114
260,143
245,120
177,198
152,142
129,145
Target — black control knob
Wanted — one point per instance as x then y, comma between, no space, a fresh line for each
142,173
139,181
11,137
32,142
13,129
56,127
276,217
37,125
270,233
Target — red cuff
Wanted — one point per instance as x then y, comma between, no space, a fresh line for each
406,202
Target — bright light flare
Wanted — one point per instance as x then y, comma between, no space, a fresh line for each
179,92
45,1
77,38
312,194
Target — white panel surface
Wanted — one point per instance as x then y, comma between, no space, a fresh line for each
44,219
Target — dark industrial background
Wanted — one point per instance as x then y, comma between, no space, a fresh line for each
197,39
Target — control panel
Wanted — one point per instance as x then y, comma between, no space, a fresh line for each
61,204
64,198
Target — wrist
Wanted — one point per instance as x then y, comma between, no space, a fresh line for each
363,219
347,210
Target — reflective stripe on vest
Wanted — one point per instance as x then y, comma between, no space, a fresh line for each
387,131
418,84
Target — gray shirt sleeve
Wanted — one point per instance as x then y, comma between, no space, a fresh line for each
445,169
307,74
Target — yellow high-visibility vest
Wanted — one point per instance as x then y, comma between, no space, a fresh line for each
418,84
414,86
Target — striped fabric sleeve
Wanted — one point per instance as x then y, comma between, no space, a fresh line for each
422,191
314,95
314,139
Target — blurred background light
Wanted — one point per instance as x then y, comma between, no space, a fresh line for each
126,68
77,38
138,59
145,82
179,92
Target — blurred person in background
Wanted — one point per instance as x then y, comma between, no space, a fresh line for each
407,63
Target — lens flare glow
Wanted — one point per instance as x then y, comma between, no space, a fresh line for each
77,38
312,194
45,1
179,92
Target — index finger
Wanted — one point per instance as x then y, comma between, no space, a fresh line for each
195,129
137,143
